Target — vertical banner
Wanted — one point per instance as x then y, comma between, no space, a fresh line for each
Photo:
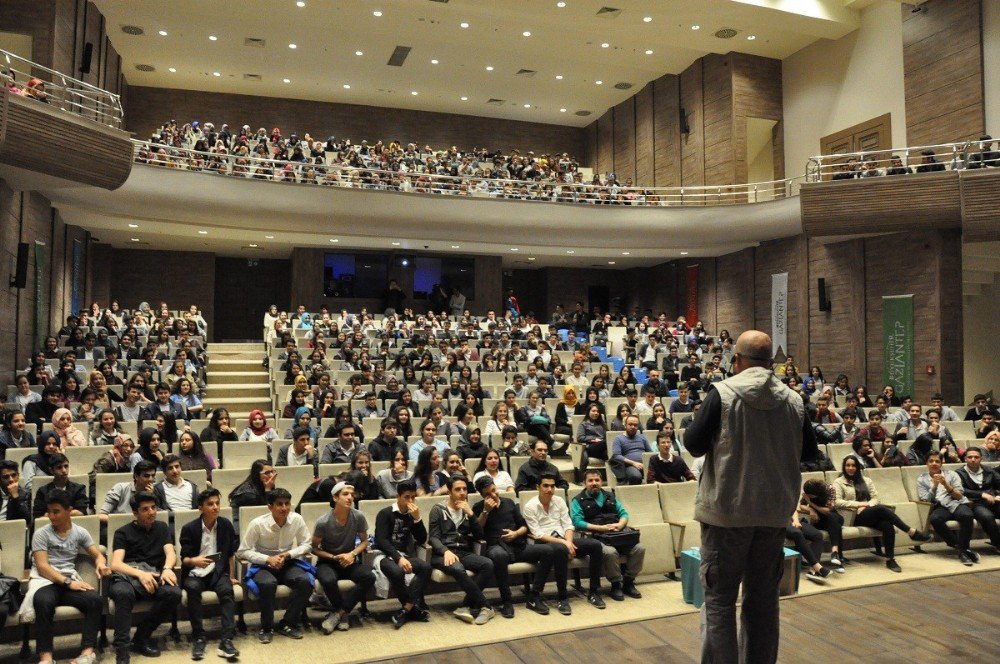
897,333
779,314
691,296
76,277
41,327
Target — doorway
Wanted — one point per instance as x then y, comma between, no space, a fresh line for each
244,289
760,157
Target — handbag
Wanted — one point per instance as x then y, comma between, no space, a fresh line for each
10,593
622,541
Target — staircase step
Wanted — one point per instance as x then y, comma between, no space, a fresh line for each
238,404
243,347
227,364
217,391
242,377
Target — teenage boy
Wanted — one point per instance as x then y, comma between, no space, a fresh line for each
398,531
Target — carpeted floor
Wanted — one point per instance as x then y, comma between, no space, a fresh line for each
376,639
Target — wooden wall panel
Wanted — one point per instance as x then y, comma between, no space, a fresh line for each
624,138
734,288
717,86
837,338
644,138
180,278
757,93
605,144
693,144
951,365
979,204
666,132
943,73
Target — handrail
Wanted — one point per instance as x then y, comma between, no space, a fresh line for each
223,162
897,161
62,91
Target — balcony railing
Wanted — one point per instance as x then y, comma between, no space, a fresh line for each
903,161
335,175
62,91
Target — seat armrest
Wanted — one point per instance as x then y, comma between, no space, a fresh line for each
678,529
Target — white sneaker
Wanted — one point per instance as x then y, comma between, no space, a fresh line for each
485,614
463,614
330,622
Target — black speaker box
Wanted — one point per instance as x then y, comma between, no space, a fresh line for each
88,56
824,300
20,278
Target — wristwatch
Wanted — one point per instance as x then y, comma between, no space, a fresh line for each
67,581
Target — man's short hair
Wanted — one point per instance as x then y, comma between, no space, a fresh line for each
9,464
57,459
390,422
143,467
167,460
206,494
548,475
592,471
480,484
507,430
933,454
452,479
404,486
304,431
631,392
162,386
975,448
141,497
937,397
59,497
534,443
274,495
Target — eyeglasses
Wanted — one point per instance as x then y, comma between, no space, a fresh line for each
269,472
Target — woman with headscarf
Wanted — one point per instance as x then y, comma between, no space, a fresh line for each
119,458
258,428
565,410
149,445
38,464
303,418
296,400
69,435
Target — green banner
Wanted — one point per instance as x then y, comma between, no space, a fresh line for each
897,336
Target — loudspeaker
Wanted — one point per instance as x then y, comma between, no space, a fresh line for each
685,127
88,56
20,278
824,301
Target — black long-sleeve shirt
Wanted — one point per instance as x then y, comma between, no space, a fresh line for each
397,533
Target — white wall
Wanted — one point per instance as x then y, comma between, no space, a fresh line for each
831,85
991,64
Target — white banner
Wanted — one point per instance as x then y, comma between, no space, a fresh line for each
779,314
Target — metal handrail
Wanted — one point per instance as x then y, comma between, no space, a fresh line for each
257,168
62,91
947,156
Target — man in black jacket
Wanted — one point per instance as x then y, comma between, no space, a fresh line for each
982,487
208,549
530,473
384,446
59,465
398,532
15,500
39,412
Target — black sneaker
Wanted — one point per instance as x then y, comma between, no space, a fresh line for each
921,536
630,590
893,565
595,598
818,575
198,648
964,558
972,554
145,648
537,604
507,610
616,592
265,635
399,618
420,613
227,650
122,656
564,608
289,631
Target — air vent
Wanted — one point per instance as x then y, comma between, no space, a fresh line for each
527,73
582,114
495,102
623,86
252,77
609,12
443,2
137,244
134,30
727,33
145,67
255,42
399,56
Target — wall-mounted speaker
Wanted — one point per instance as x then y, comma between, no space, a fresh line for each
88,57
20,276
824,299
685,127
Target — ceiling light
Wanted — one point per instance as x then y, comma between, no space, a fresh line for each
489,68
135,239
605,45
287,80
531,258
395,244
562,110
376,13
253,246
684,253
202,232
172,70
751,37
414,93
647,19
559,77
347,86
133,225
434,62
527,105
454,246
293,46
163,33
598,82
464,98
526,33
213,38
560,5
570,251
514,249
359,53
649,51
611,262
463,24
300,4
696,27
626,253
215,73
268,237
333,239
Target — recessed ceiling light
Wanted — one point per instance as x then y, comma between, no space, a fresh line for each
464,98
560,5
570,251
215,73
514,249
454,246
133,225
489,68
751,37
626,253
684,253
376,13
395,244
598,82
527,105
253,246
414,93
202,232
163,33
526,33
559,77
333,239
347,86
434,61
562,110
135,239
359,53
300,4
647,19
293,46
213,38
611,262
172,70
696,27
605,45
287,80
268,237
649,51
463,24
531,258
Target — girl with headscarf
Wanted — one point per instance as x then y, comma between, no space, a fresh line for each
62,425
303,418
258,428
119,458
296,400
38,464
149,445
565,410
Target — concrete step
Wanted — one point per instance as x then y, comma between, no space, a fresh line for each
233,377
242,347
238,404
226,364
218,391
241,355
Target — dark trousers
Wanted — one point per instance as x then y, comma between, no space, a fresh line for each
290,575
48,598
330,573
626,473
540,554
596,450
729,557
833,524
413,593
585,547
481,566
539,431
165,601
808,541
223,587
884,519
940,516
987,515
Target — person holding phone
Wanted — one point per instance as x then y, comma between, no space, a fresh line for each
208,548
399,530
